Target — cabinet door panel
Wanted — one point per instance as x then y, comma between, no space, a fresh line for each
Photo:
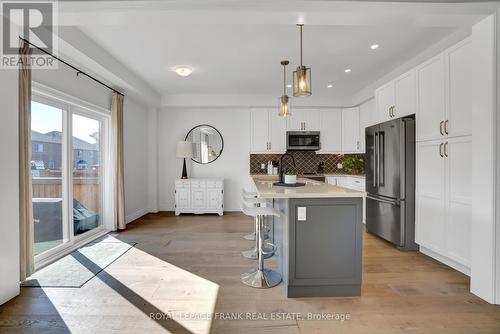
366,119
405,95
182,198
331,131
311,118
459,90
198,198
296,120
431,98
214,199
277,129
430,219
385,100
259,132
459,201
350,130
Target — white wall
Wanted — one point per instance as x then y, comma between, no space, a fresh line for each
233,165
9,191
136,159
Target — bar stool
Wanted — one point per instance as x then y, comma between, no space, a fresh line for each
254,252
260,277
248,195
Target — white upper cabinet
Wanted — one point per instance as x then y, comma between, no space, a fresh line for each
384,97
459,76
267,131
350,130
444,94
331,131
366,119
303,120
260,130
431,99
397,98
405,95
277,130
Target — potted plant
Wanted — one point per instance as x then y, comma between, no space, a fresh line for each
290,177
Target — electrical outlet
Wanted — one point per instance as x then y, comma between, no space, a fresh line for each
263,166
339,166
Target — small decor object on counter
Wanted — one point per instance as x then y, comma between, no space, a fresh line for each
184,150
290,178
353,164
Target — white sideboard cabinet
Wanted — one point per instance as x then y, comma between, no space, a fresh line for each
199,196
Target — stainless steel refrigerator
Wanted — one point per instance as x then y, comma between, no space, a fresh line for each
390,182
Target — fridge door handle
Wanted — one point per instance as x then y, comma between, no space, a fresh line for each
375,162
394,202
381,160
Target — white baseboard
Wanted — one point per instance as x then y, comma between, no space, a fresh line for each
443,259
136,215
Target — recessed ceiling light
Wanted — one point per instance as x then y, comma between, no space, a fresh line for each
183,71
330,86
289,86
374,46
347,70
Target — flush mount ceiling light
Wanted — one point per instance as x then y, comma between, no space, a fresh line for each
302,76
374,46
284,99
183,71
347,70
289,86
330,86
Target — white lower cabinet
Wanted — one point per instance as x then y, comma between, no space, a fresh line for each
443,200
199,196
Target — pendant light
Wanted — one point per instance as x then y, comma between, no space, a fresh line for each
284,99
302,76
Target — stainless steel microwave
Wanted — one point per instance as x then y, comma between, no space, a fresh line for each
302,141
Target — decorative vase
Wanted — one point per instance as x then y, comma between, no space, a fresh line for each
290,179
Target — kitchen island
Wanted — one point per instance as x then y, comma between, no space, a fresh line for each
318,236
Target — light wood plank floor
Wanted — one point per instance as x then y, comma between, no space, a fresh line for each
190,266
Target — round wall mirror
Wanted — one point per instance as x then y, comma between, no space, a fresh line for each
207,143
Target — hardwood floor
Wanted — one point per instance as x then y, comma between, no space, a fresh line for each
190,266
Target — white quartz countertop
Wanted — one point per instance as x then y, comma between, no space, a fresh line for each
312,189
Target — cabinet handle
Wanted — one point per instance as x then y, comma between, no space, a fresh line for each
441,150
446,126
390,112
446,149
393,109
441,128
270,145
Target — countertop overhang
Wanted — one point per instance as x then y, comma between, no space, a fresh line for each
312,189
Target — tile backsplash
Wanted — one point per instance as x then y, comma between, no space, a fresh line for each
308,162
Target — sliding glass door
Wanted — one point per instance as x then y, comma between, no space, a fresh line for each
86,174
67,174
48,169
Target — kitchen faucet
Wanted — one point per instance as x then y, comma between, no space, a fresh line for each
281,165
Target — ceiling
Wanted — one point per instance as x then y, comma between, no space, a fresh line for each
236,47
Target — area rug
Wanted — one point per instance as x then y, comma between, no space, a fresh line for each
78,267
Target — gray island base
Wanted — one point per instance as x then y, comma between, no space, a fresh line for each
318,238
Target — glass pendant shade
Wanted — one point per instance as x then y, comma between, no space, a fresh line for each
302,82
284,106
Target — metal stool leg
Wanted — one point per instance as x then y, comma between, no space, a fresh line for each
253,253
261,277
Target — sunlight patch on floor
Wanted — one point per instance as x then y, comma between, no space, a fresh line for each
142,292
